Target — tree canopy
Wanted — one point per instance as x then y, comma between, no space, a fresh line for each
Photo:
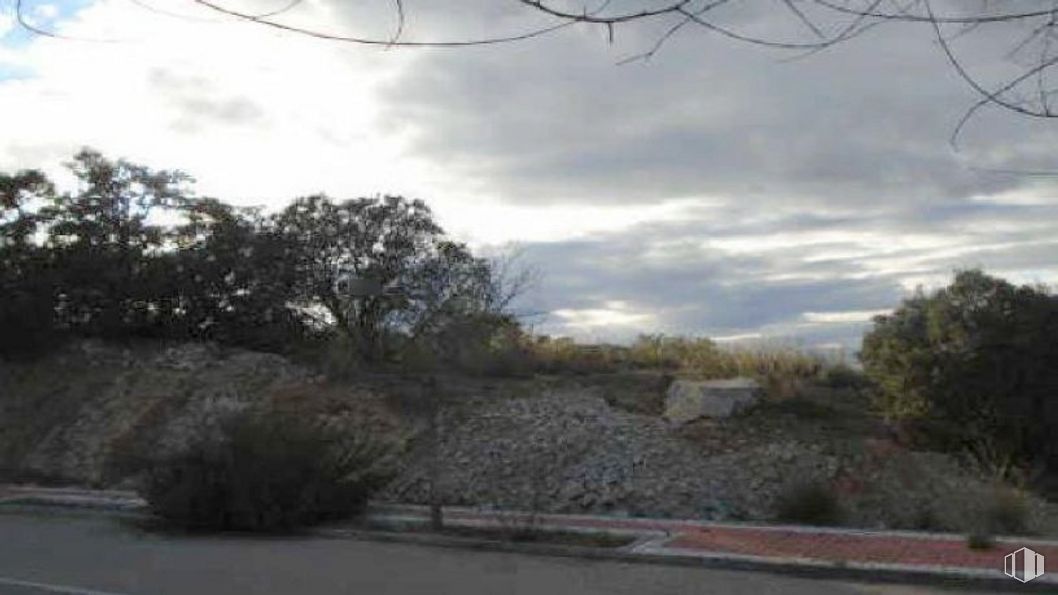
974,367
132,252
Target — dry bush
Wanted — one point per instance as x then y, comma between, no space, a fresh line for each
697,357
564,356
1007,512
266,470
809,503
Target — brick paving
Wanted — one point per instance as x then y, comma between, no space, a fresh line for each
803,544
698,538
850,547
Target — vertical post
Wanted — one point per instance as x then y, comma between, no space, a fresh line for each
432,406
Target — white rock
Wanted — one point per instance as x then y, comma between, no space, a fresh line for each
688,400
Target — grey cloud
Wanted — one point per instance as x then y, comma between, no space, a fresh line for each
695,289
865,123
197,103
851,140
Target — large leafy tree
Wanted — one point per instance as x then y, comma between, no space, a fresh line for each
395,243
231,279
18,193
102,237
131,252
974,366
26,273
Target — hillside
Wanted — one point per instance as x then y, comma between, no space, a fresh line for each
555,443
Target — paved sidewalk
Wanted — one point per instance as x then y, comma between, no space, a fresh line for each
904,552
786,547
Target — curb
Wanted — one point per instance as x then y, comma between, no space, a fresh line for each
862,572
117,501
649,549
669,525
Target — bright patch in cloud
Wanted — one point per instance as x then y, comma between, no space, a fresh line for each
613,314
843,317
7,23
494,222
741,337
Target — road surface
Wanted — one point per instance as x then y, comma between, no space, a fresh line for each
93,555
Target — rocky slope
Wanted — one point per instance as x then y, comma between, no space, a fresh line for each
568,451
559,444
63,418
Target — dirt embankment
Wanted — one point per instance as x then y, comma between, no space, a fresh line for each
550,444
64,418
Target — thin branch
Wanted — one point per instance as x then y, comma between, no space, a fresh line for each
291,5
175,15
792,6
931,18
399,6
988,97
588,17
385,42
20,17
841,36
672,31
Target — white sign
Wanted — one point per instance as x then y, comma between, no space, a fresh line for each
1023,565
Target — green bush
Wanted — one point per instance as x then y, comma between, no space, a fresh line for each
809,503
265,471
843,376
980,541
973,368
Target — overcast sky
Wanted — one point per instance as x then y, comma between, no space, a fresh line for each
718,189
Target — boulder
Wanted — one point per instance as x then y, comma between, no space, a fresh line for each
688,400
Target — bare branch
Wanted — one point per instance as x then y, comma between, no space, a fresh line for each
399,5
20,17
385,42
792,6
820,25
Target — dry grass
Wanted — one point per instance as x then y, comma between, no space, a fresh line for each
782,369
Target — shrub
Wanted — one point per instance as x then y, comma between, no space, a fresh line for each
980,541
265,471
805,409
564,356
1007,513
972,367
843,376
810,503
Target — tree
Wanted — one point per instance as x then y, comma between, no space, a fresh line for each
973,367
396,243
26,273
231,280
102,237
18,222
131,252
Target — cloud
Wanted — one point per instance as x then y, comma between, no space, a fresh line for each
611,314
844,317
256,117
195,100
715,189
7,23
815,279
864,124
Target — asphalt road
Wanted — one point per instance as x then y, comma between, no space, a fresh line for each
85,555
